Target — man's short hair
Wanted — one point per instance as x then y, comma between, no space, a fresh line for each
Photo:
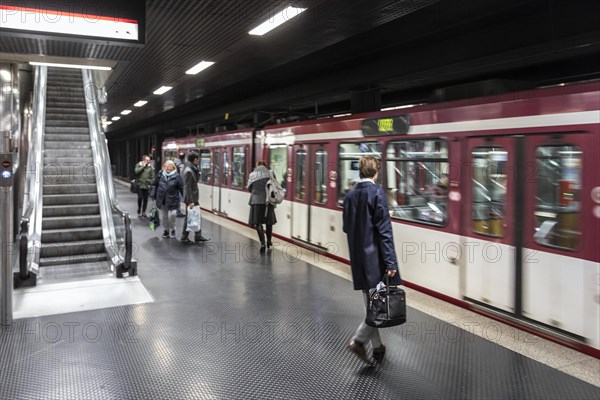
192,157
181,156
368,166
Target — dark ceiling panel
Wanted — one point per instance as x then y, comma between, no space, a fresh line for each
330,50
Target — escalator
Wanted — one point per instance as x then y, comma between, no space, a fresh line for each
74,227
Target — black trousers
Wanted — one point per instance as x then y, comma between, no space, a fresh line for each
142,200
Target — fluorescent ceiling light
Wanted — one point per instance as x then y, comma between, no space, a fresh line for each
199,67
63,22
116,118
108,123
140,103
78,66
163,89
125,112
277,20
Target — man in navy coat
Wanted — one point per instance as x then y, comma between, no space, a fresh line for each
368,226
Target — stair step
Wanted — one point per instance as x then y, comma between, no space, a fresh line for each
71,235
70,199
66,122
74,259
72,221
69,175
62,249
60,145
64,189
66,138
65,153
64,130
71,105
68,161
65,111
68,210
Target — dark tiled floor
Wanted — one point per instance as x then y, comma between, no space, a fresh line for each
235,325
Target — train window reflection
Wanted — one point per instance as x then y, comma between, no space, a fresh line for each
216,174
320,177
489,182
278,163
348,156
205,166
300,185
417,180
224,167
558,196
238,167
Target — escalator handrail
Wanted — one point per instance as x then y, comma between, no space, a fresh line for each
97,135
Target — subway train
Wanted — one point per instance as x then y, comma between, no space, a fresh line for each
495,201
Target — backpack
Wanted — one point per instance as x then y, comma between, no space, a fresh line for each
275,193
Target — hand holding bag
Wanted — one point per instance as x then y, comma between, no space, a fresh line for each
194,221
387,306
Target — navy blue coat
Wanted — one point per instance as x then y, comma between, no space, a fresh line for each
166,190
368,226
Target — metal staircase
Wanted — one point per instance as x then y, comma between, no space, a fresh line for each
72,240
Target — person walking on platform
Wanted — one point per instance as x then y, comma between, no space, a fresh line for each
367,224
166,188
261,212
191,195
144,175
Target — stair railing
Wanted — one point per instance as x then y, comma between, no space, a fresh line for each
31,221
116,223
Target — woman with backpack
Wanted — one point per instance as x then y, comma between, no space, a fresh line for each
261,211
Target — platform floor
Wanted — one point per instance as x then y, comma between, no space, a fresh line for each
228,323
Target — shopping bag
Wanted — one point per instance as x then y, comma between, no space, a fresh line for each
154,219
134,186
194,220
386,306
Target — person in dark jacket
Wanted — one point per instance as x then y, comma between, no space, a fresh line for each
261,212
144,174
368,226
180,165
191,195
166,188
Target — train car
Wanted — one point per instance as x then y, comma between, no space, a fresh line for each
495,201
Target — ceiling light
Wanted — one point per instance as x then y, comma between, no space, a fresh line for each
116,118
78,66
277,20
108,123
163,89
140,103
125,112
199,67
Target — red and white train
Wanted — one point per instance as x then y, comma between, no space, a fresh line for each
495,202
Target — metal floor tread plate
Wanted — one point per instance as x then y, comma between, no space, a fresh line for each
237,325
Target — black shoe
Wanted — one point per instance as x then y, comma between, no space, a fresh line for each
269,245
165,234
180,215
202,239
262,248
379,353
359,350
186,241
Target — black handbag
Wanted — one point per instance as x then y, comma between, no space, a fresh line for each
134,186
386,307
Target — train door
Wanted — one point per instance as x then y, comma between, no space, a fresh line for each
524,245
489,236
309,194
219,174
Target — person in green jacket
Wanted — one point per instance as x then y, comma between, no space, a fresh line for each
144,174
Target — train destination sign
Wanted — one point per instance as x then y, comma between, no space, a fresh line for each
387,126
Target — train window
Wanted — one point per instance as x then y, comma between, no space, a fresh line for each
320,177
417,180
238,168
558,201
300,185
205,166
278,162
489,182
348,156
224,167
216,175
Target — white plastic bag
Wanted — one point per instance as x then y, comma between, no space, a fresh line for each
194,220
